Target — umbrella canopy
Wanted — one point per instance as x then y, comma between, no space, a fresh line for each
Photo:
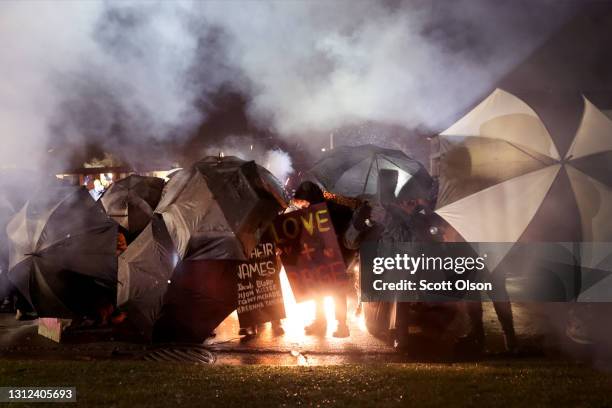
145,270
503,180
200,295
170,301
589,167
7,210
177,280
590,174
353,171
220,207
15,188
131,201
499,167
62,252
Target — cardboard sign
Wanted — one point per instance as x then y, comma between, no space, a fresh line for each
310,252
260,297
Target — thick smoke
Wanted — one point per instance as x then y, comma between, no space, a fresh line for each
130,77
277,161
115,76
319,66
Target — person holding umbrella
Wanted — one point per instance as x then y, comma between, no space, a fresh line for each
392,219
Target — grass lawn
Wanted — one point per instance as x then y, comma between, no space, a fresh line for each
130,384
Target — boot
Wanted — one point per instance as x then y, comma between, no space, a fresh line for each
318,327
248,331
342,330
277,328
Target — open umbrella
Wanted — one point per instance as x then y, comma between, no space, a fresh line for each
145,270
169,300
131,201
7,210
497,164
503,180
16,186
499,167
220,207
177,279
353,171
62,252
200,295
590,174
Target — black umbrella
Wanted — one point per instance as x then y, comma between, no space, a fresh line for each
353,171
220,207
170,301
177,279
62,252
145,270
131,201
200,295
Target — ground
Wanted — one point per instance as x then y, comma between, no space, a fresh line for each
501,383
295,369
20,340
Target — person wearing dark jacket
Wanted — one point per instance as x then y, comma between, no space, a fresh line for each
475,339
390,219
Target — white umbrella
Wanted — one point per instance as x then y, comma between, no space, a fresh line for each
498,165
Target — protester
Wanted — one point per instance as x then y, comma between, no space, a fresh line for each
97,190
108,312
121,243
13,301
23,309
6,293
474,340
391,219
308,194
387,218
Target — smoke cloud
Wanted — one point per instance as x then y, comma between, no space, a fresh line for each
275,160
130,77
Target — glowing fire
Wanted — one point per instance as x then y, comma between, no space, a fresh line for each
300,315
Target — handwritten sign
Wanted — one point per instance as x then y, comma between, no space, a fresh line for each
310,252
260,298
